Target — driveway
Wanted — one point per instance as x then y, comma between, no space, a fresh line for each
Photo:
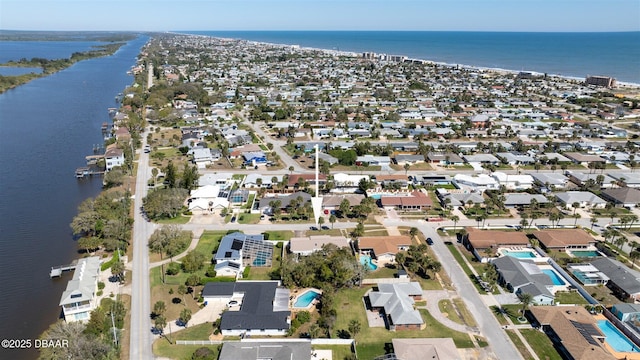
433,297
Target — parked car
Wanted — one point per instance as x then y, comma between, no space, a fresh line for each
313,228
233,219
429,241
325,227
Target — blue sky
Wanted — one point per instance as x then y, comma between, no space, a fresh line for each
435,15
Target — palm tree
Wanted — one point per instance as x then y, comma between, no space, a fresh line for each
526,299
593,220
455,219
576,217
332,220
524,223
413,232
634,255
159,308
354,327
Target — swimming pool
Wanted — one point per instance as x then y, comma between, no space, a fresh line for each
585,253
526,254
366,260
305,299
615,338
376,196
557,280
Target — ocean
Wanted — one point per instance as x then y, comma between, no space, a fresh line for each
47,127
575,55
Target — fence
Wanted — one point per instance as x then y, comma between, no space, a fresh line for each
385,281
331,341
198,342
569,278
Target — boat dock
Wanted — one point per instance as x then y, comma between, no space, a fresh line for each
56,271
86,171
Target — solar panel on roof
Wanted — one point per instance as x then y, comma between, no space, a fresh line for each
588,331
236,245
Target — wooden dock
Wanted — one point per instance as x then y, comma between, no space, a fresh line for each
57,271
87,171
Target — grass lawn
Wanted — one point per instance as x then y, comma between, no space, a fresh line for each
248,218
456,311
338,351
371,341
178,220
209,242
467,318
519,345
446,307
161,346
570,297
467,270
160,292
603,294
513,312
541,344
498,314
278,235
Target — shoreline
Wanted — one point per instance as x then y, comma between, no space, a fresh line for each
624,84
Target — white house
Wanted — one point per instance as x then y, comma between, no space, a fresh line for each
113,157
207,199
514,182
79,299
480,183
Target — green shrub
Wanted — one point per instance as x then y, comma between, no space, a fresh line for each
173,268
211,271
246,272
101,285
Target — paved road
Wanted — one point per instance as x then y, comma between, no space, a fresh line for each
141,337
500,343
277,147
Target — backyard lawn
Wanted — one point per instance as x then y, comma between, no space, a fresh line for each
541,344
162,347
371,342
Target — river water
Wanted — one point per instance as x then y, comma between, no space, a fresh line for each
47,127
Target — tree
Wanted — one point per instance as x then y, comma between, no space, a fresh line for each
89,243
455,219
117,270
332,220
164,203
413,232
113,177
634,255
526,299
159,323
401,257
576,217
193,261
354,327
170,175
169,239
182,290
159,308
81,345
193,281
189,177
593,221
185,316
406,168
291,168
344,207
524,223
314,330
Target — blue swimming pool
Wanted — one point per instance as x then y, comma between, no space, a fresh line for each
557,280
585,253
615,338
525,254
375,196
366,260
305,299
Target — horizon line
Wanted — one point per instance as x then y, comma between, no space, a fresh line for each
338,30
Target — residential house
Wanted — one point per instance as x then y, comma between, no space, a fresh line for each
305,246
402,159
414,201
628,179
573,330
623,197
396,302
624,282
584,159
113,156
238,250
524,277
550,181
331,203
373,160
294,180
202,157
604,181
564,239
263,307
254,158
224,180
393,181
425,348
515,158
478,183
523,199
456,199
285,201
259,350
482,159
207,199
383,248
513,182
255,180
484,243
584,199
80,299
445,158
346,182
626,312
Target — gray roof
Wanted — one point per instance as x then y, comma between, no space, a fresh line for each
84,283
520,273
569,197
297,350
481,158
554,179
524,199
624,278
231,244
584,177
461,199
625,195
397,302
285,200
260,309
515,157
627,308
